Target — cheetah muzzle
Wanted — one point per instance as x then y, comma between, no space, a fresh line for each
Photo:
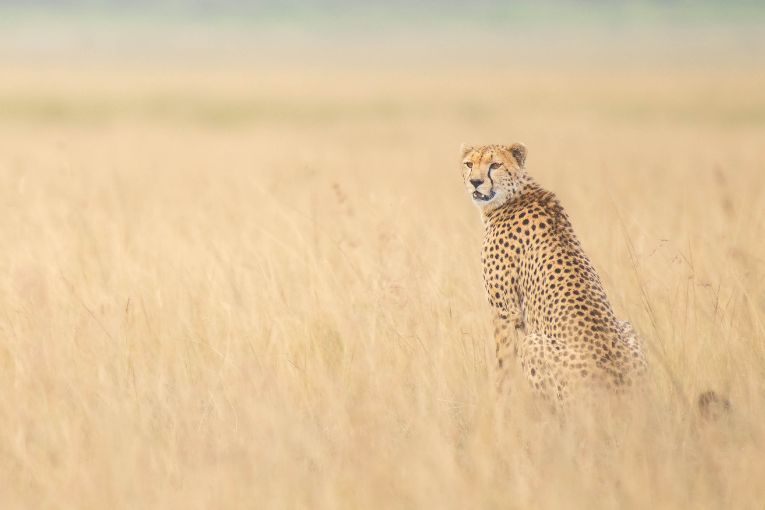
480,197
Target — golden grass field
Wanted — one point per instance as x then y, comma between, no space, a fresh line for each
260,287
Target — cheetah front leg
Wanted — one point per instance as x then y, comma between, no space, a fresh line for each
508,329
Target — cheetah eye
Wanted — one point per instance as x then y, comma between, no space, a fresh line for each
469,164
494,166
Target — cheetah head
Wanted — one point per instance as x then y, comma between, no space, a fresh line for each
493,174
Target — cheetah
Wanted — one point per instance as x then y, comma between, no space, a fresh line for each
550,311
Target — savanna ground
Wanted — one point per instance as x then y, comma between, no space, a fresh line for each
258,285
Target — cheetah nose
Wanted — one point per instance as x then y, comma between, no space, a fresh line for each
476,182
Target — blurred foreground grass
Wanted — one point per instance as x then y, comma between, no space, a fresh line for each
258,285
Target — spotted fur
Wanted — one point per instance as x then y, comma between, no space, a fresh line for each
552,319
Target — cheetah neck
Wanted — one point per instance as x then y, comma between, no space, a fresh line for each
522,187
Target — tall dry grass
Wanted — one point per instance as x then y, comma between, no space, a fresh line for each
261,288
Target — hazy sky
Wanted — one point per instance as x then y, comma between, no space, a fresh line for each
485,11
445,28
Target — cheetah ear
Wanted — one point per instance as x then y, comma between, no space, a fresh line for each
518,150
465,148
